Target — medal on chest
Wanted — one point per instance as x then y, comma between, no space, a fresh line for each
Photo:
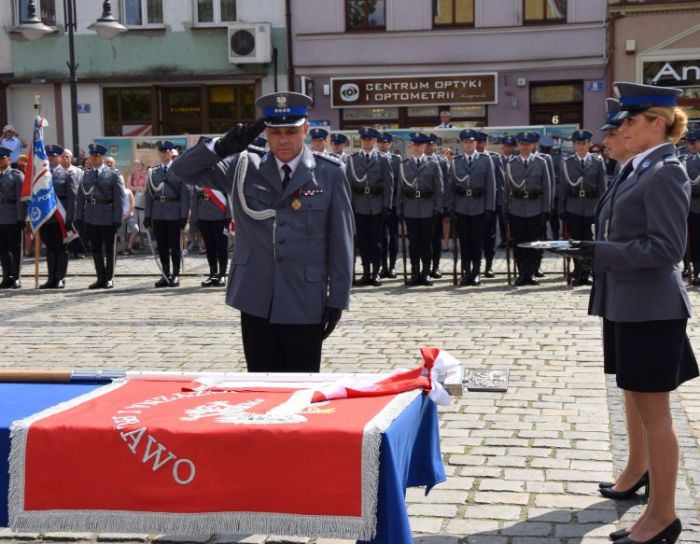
296,202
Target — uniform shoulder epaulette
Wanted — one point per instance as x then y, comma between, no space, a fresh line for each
328,158
541,156
671,160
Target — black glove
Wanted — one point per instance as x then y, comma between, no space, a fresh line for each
183,223
386,213
583,251
329,320
147,222
238,138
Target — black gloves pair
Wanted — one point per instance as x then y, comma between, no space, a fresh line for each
329,320
238,138
580,250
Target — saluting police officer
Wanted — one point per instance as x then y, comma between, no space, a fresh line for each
692,166
581,186
292,264
482,140
100,206
436,244
318,140
527,205
211,215
390,234
420,205
65,186
12,218
372,183
472,199
167,208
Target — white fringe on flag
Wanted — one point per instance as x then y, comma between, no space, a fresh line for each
124,521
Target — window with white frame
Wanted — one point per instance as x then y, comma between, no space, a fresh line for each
208,12
142,12
45,9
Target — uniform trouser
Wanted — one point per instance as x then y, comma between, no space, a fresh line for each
490,237
525,229
11,249
167,233
580,229
420,234
56,251
471,231
102,242
694,235
272,347
369,240
436,242
555,226
216,243
390,240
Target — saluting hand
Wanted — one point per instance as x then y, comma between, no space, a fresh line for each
238,138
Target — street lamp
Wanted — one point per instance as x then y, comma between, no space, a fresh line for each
106,27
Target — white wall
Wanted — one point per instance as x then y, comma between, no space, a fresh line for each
5,26
20,109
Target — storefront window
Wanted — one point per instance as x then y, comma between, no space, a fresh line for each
544,11
364,14
126,109
556,103
453,13
45,9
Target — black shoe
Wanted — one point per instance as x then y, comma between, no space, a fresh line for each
464,281
519,281
60,284
668,536
391,274
6,283
539,273
586,280
610,493
211,281
174,281
476,280
413,281
49,284
696,280
488,273
364,280
162,282
109,284
575,282
374,281
531,280
220,281
97,285
617,535
435,273
384,273
16,284
425,280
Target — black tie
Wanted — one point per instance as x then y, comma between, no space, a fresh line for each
165,169
417,163
583,163
470,161
525,163
367,157
287,176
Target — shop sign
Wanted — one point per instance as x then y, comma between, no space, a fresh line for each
676,73
417,90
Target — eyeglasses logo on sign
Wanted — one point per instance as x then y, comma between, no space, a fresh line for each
349,92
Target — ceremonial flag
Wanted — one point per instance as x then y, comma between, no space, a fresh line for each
38,185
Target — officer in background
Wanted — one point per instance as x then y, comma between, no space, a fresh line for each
443,222
527,205
545,150
211,215
547,158
692,166
292,264
472,199
482,140
100,206
65,186
338,143
509,146
581,186
420,205
12,218
372,183
167,209
318,140
390,236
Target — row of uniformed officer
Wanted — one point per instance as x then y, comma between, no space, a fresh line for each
390,233
12,219
692,166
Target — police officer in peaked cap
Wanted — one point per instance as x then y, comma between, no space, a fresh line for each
482,140
12,218
390,237
692,166
439,223
338,143
291,270
318,139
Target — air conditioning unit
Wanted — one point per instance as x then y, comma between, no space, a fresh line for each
249,43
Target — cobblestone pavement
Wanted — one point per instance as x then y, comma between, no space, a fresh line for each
522,465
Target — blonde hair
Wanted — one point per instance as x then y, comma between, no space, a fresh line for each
675,118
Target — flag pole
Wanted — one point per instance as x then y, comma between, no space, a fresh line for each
37,234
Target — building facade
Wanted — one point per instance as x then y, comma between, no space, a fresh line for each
174,71
657,43
396,64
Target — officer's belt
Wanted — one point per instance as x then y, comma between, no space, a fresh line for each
573,193
6,201
526,195
469,193
417,194
168,199
366,190
96,201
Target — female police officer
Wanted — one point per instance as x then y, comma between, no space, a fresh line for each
640,239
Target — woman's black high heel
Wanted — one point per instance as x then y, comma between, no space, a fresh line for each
611,493
668,536
617,535
601,485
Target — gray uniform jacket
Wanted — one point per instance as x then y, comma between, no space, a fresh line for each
500,175
288,267
203,208
395,162
581,188
528,191
692,166
372,184
472,189
445,171
421,190
65,185
12,209
167,197
640,227
100,197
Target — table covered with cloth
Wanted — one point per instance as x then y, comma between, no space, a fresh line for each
148,483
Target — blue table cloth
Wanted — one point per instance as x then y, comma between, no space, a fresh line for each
409,453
